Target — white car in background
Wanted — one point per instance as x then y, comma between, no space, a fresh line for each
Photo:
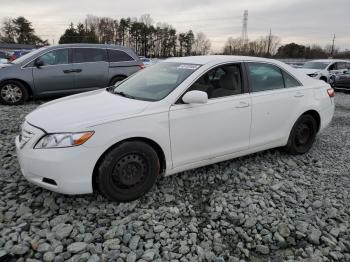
176,115
323,69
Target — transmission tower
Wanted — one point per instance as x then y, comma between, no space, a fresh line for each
244,28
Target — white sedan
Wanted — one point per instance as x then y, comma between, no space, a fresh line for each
179,114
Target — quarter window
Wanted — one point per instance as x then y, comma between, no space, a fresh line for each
290,81
263,77
118,56
84,55
220,82
55,57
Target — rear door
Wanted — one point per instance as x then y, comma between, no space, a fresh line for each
90,68
276,100
54,76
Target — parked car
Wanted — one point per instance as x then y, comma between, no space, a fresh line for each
65,69
324,68
3,57
341,81
173,116
146,61
13,55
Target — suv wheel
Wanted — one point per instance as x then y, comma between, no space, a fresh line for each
128,171
13,93
302,136
116,79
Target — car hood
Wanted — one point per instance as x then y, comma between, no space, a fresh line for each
5,65
308,70
78,112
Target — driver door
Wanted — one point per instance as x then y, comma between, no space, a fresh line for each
55,74
221,126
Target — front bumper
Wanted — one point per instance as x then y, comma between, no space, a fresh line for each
63,170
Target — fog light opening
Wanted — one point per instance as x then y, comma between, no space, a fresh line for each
49,181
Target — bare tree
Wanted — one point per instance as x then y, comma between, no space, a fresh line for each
201,45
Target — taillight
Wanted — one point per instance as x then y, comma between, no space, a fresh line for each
330,92
142,66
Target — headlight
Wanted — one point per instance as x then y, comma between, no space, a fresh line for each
313,74
63,140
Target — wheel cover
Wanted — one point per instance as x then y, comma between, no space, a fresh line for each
303,134
11,93
129,171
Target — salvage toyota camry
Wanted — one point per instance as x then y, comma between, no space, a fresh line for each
176,115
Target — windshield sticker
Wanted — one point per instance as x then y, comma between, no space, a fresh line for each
188,66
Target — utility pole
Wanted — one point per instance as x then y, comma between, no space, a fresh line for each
244,36
332,50
269,43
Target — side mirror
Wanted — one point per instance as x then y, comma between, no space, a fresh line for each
195,97
38,63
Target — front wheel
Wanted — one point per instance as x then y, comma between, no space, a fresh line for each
302,136
128,171
332,81
13,93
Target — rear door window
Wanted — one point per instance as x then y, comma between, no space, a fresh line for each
263,77
85,55
341,65
118,56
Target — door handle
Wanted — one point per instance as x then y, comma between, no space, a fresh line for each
77,70
242,105
67,71
298,94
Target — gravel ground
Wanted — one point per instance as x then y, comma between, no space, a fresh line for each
268,206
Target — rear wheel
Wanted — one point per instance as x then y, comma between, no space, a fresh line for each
303,135
116,79
128,171
13,93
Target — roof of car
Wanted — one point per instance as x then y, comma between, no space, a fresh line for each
328,60
90,45
217,59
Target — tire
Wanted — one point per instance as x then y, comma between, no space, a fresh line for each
332,81
323,79
116,80
302,136
128,171
13,92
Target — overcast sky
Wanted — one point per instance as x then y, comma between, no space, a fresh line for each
300,21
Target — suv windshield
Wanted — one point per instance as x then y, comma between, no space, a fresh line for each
315,65
155,82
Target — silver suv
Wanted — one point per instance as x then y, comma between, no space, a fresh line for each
64,70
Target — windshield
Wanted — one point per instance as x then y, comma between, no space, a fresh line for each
24,57
315,65
156,82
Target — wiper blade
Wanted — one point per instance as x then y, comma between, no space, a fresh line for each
124,95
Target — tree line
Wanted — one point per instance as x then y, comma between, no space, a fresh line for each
19,31
270,46
141,34
152,39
